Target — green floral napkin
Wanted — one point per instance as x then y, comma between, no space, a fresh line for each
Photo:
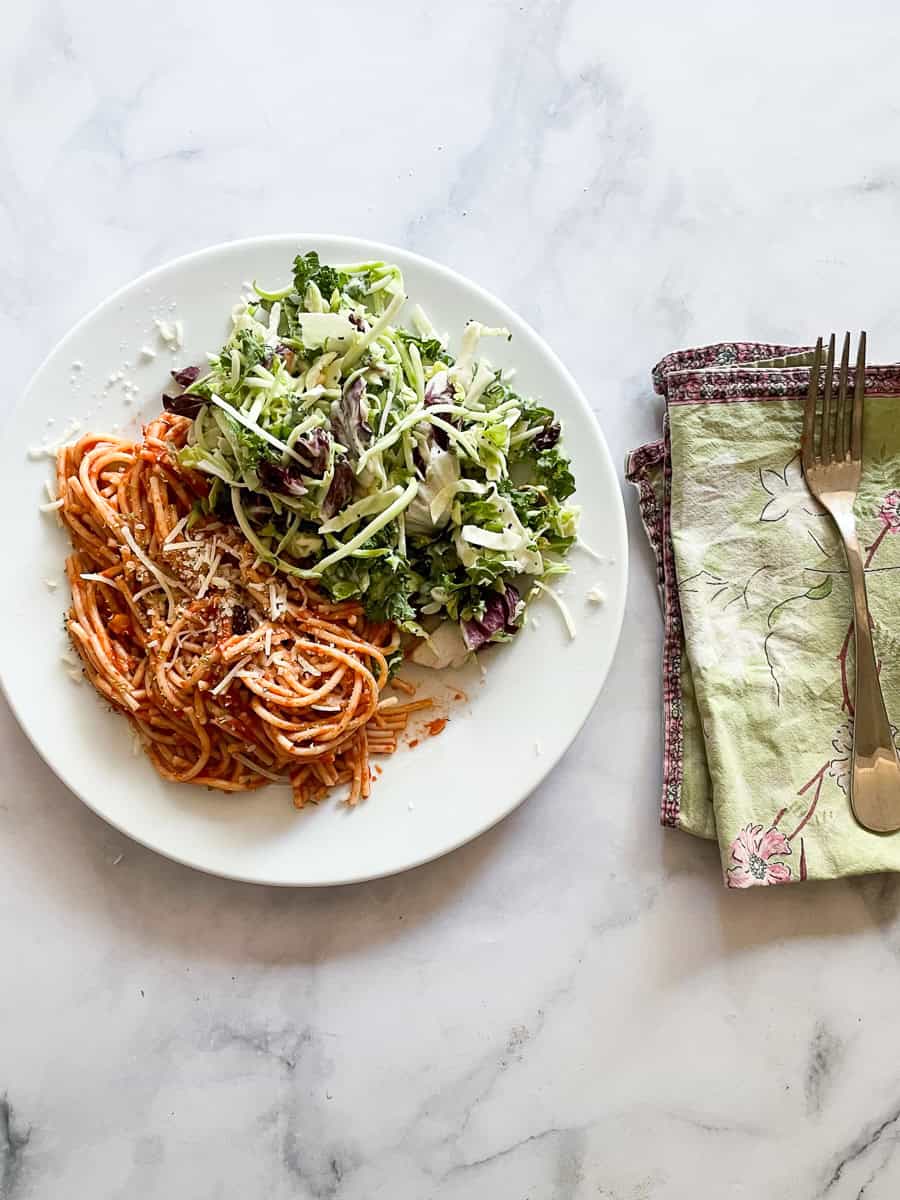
758,649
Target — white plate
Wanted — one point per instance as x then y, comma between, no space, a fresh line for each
497,746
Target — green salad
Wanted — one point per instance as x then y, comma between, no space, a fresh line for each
362,454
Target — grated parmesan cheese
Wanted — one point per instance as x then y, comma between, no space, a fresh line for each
260,770
99,579
72,665
51,584
582,545
225,682
175,530
208,578
210,557
154,587
35,453
278,601
171,333
147,353
596,595
166,582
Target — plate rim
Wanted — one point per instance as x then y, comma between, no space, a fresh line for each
385,251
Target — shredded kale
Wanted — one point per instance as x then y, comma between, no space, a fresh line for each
389,591
554,472
308,269
462,590
252,350
384,584
430,349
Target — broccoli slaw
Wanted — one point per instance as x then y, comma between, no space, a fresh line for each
363,455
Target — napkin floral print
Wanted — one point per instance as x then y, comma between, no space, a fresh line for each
758,703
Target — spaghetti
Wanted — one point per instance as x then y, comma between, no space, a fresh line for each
230,675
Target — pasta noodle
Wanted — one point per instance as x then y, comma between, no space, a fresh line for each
230,675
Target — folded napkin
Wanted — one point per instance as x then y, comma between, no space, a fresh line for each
758,672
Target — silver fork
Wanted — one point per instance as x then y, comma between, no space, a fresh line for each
832,466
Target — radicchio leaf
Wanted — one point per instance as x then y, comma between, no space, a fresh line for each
286,354
313,448
548,436
286,480
357,321
184,405
348,420
441,437
339,490
439,390
186,376
501,616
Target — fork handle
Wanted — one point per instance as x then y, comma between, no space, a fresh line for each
874,791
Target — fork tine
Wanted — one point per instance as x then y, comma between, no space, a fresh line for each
859,391
826,435
808,443
840,429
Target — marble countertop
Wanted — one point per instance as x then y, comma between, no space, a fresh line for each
572,1006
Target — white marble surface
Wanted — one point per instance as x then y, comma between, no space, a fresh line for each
571,1007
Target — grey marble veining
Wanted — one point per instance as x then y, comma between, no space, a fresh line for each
571,1007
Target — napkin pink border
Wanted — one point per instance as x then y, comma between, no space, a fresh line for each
717,374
